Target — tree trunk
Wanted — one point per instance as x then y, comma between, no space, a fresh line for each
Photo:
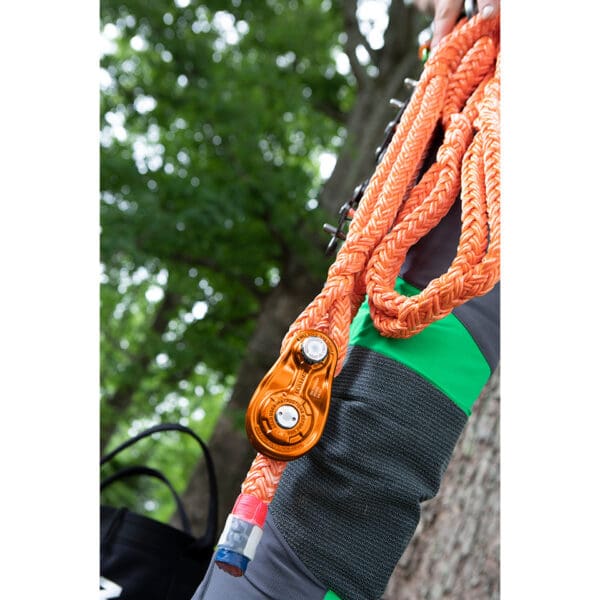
455,552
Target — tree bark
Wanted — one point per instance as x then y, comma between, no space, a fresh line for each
455,552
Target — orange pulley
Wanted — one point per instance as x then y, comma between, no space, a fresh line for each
287,413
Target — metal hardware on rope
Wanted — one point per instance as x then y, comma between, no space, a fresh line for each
285,419
346,213
287,413
347,210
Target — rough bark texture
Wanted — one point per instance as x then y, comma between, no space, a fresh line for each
455,553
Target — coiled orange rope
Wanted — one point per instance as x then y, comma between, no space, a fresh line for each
459,86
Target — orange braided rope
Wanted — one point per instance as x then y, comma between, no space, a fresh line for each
459,86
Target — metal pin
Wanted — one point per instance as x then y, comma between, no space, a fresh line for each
334,231
359,191
389,128
380,154
411,84
314,349
287,416
331,247
345,211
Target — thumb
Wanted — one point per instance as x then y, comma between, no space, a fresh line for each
446,15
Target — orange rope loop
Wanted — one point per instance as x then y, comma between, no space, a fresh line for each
459,88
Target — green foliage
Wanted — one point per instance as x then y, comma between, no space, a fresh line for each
212,118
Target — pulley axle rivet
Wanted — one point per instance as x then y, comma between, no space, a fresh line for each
287,416
314,349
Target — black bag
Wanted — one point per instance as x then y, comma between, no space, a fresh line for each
144,559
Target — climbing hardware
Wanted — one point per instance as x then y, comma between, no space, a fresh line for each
287,413
459,91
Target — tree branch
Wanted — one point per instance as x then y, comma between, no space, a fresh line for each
331,111
355,38
399,36
213,265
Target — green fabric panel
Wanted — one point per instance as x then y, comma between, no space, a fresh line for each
444,353
331,596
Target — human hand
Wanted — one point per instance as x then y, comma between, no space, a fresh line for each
446,13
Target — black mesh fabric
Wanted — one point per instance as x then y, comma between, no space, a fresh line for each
388,440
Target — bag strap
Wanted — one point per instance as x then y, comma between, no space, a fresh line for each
210,534
150,472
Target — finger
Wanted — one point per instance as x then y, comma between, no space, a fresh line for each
489,8
446,15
